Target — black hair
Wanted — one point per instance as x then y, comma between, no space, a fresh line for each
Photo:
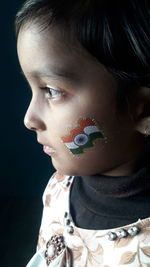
116,33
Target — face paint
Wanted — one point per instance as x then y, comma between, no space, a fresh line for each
83,136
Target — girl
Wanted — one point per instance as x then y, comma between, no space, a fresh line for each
87,63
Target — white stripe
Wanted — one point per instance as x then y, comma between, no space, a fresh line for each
91,129
71,145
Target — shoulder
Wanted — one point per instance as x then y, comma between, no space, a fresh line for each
56,184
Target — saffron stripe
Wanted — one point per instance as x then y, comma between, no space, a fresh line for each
86,122
80,129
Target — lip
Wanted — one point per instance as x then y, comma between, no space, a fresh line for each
48,150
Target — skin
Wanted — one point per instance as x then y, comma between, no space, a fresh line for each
90,93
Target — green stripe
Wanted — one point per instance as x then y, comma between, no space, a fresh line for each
77,150
92,137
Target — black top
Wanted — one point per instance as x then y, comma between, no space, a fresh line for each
104,202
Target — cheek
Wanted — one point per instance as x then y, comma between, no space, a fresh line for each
83,136
88,147
88,162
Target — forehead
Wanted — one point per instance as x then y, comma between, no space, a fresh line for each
48,45
42,50
49,39
48,53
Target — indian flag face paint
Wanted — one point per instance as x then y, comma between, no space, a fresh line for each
83,136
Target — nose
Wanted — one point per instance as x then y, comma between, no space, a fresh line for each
33,118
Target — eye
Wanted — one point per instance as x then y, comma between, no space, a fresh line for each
52,93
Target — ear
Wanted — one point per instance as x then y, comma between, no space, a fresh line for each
142,111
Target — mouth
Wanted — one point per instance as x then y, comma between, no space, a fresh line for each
48,150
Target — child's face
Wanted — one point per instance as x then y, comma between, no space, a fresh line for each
81,88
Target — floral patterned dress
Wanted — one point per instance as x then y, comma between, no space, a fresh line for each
62,244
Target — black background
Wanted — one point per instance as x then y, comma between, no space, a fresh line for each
25,169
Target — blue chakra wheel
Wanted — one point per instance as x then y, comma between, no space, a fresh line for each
81,139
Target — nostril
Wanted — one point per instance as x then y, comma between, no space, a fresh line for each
32,128
33,121
34,124
30,125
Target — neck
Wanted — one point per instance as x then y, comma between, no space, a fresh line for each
120,186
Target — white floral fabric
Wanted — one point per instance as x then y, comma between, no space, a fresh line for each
87,247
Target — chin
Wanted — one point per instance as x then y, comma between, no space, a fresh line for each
66,171
72,171
74,168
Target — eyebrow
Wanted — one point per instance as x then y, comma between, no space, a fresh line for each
56,73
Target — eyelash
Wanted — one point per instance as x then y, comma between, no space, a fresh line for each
49,91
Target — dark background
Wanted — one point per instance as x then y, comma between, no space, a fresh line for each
25,169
